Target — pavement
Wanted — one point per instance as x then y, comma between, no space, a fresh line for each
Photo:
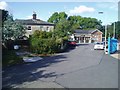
82,67
116,55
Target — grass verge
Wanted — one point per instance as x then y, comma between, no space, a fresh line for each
9,58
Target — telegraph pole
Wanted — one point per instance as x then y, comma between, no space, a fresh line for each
105,38
114,30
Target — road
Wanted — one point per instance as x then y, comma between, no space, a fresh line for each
81,67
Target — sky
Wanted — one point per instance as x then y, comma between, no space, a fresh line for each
24,10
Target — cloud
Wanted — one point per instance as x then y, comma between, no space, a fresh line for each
64,7
50,13
114,6
81,9
3,5
108,5
29,17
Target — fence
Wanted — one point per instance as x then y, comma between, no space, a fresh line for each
112,45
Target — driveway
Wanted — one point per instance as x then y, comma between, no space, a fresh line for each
81,67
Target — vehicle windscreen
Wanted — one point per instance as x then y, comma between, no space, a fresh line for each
99,43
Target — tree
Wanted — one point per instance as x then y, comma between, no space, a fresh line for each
54,18
117,29
64,23
12,30
3,15
110,29
62,16
62,28
42,42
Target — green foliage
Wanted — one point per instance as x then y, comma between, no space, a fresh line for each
56,17
110,29
62,28
64,23
43,43
9,58
3,14
12,29
118,29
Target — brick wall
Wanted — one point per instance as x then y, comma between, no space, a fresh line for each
97,36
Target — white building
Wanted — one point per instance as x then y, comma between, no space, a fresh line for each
35,24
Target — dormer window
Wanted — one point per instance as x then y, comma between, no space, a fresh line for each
29,27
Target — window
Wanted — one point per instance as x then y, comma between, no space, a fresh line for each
41,27
47,28
29,27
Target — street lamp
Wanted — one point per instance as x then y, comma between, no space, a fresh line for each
105,35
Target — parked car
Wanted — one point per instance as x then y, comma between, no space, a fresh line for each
99,45
72,43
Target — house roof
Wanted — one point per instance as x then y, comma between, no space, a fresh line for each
33,22
79,31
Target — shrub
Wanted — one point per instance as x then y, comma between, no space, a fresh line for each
43,43
44,46
9,58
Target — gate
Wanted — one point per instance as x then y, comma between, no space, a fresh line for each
112,45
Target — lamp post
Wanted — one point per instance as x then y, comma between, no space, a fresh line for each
105,35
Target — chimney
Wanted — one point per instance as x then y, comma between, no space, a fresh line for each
34,15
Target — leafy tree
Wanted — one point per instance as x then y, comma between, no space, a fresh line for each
42,42
3,15
74,21
84,22
117,29
65,25
62,28
12,30
62,16
54,18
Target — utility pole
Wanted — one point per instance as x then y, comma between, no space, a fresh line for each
105,38
114,30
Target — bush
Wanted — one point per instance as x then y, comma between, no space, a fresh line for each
43,43
44,46
9,58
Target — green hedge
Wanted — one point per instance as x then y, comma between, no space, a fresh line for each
42,42
44,46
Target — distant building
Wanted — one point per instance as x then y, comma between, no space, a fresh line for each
88,36
35,24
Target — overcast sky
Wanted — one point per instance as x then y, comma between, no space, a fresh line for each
24,10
